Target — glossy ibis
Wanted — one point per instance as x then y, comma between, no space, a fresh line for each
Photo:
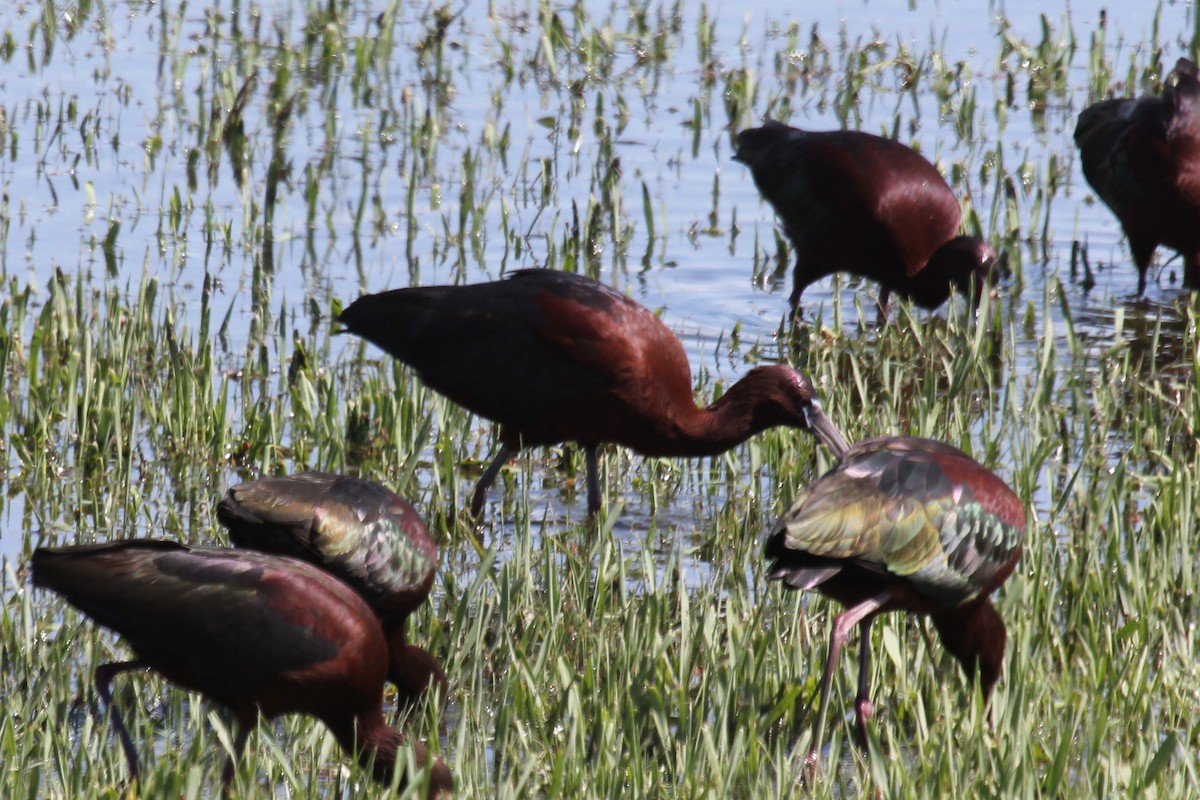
259,633
903,524
1142,156
555,357
361,532
859,203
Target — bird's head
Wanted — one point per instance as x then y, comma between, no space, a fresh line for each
796,397
966,264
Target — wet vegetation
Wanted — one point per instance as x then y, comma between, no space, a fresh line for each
192,192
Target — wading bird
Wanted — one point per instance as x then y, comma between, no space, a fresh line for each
258,633
1142,156
361,532
854,202
555,357
903,524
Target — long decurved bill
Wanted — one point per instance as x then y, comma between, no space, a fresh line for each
825,430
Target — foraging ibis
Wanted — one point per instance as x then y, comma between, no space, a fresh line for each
855,202
553,357
903,524
1142,156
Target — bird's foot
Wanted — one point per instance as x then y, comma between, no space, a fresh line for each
863,711
811,762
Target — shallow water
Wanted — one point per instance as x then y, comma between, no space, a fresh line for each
138,82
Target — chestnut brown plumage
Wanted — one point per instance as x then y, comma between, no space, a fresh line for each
903,524
855,202
361,532
556,357
1142,156
258,633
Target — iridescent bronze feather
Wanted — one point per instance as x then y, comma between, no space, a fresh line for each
357,530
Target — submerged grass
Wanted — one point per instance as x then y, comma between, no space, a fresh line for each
644,654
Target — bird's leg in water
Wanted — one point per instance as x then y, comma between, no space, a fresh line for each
104,677
882,318
842,625
488,478
593,478
862,701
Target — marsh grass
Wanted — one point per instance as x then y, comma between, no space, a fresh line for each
587,660
642,654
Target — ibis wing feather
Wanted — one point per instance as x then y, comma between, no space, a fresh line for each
913,508
165,597
376,546
847,516
357,529
461,340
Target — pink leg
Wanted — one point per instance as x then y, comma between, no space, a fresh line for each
488,478
104,676
862,701
841,627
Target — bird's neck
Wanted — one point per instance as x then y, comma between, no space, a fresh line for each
747,408
703,432
413,670
975,635
928,288
370,739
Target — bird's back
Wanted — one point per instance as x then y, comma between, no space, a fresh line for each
853,170
244,628
360,531
905,511
549,355
1112,136
1183,132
